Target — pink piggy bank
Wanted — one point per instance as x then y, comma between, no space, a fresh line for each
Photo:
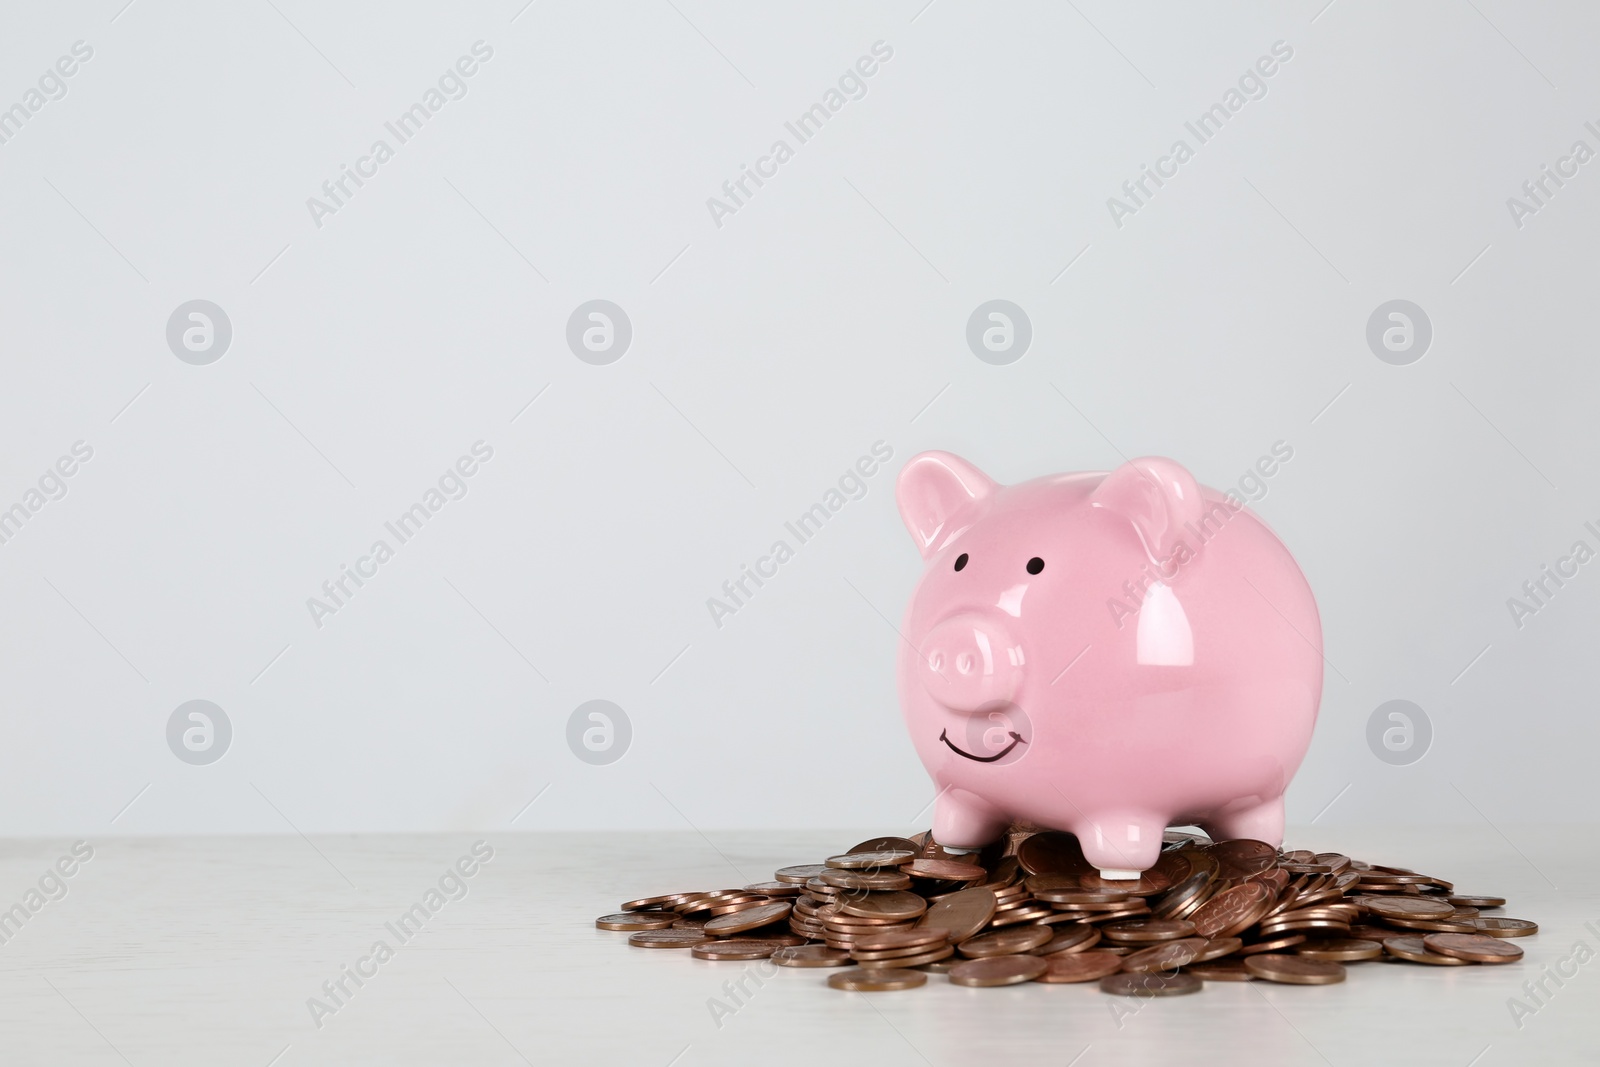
1106,654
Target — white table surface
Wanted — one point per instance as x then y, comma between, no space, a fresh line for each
205,951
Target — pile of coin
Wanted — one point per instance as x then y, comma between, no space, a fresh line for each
891,911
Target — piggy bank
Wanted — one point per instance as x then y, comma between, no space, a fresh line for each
1105,654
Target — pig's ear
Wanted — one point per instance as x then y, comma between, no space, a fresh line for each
940,495
1157,496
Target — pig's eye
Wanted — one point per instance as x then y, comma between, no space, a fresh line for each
961,561
1035,565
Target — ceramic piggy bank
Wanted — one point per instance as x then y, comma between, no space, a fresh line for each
1104,654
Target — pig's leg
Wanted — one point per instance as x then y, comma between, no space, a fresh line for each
962,820
1121,845
1264,822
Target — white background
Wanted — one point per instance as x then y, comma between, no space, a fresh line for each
768,354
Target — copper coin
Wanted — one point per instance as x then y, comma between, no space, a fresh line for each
1435,926
873,879
1185,897
810,956
1232,910
1149,984
1475,947
1294,970
1244,856
1337,862
800,873
854,861
892,906
1273,945
734,948
1080,966
1167,956
887,844
1217,947
636,920
876,979
1121,913
962,913
1007,942
917,959
1074,937
1459,901
1228,970
1081,896
1019,916
903,939
1412,950
666,938
1052,852
944,870
1410,908
1142,930
1340,949
1142,886
1495,927
998,970
748,919
653,902
737,904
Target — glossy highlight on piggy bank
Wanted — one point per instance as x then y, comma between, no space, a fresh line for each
1106,654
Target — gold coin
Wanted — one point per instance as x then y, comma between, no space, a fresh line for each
998,970
1294,970
810,956
1478,948
877,979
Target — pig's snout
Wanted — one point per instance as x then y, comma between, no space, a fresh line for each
969,662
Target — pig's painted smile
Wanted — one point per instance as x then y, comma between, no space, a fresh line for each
1016,739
